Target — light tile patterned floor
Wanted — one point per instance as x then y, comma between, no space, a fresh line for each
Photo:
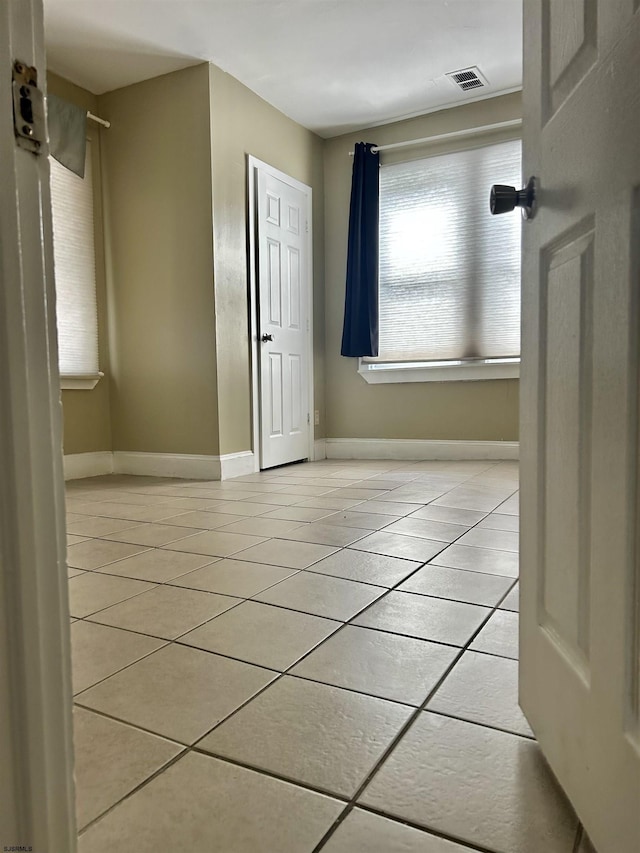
318,657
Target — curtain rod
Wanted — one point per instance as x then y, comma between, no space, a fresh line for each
456,134
98,120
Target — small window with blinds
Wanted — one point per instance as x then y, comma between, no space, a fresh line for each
449,270
75,271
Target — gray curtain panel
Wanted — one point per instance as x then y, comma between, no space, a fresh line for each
67,133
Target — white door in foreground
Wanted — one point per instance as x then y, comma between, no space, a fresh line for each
580,542
36,755
283,325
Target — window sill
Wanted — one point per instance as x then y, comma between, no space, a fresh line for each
441,371
80,382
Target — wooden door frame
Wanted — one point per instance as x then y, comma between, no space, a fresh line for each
253,167
36,744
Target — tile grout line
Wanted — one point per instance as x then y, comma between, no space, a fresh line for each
100,569
185,645
271,774
493,728
335,633
135,790
188,748
306,568
412,719
178,641
137,660
385,755
135,726
281,674
356,615
242,600
103,570
135,522
238,598
466,845
324,521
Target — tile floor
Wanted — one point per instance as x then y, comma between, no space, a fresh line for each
319,657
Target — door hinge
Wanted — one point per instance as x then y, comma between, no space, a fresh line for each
308,419
29,122
306,226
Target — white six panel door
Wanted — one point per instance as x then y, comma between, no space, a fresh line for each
283,322
580,540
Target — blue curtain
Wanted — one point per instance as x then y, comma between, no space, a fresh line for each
360,330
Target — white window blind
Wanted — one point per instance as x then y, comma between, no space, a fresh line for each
75,269
449,270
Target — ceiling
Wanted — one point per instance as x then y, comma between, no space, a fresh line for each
331,65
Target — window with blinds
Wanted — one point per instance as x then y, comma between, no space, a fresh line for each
449,270
75,270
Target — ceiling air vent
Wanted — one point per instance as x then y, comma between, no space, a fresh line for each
468,78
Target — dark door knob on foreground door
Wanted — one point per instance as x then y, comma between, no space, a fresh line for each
266,338
504,199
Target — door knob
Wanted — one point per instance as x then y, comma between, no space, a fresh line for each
504,199
266,338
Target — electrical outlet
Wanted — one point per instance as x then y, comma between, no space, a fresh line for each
316,418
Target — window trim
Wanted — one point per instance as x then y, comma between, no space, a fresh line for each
83,382
380,373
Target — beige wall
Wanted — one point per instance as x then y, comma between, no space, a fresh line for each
242,124
87,424
178,379
174,162
162,320
486,410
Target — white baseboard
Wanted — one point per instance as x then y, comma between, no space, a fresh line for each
182,465
237,464
186,466
197,467
79,465
319,449
416,450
